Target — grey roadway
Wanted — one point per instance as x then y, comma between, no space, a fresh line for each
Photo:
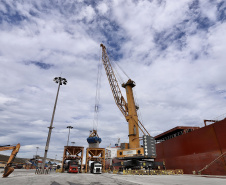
28,177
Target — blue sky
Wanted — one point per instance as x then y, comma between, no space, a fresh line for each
173,50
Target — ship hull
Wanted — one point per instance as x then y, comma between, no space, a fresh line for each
195,150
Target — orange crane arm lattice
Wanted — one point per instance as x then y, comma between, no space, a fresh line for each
119,99
128,109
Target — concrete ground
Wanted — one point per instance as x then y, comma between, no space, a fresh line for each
28,177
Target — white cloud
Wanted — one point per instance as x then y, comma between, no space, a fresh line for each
102,8
39,122
87,13
178,68
4,99
208,9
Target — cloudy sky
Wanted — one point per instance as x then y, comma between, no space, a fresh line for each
174,50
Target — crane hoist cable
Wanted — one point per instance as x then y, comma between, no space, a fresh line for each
122,70
93,138
115,67
98,85
222,115
97,98
118,76
109,53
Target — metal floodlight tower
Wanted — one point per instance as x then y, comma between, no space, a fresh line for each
70,127
60,81
37,151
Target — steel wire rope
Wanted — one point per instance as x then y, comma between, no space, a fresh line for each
219,116
207,166
140,115
215,118
122,70
118,76
140,120
97,98
114,64
138,110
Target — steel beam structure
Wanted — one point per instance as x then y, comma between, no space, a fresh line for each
95,154
73,153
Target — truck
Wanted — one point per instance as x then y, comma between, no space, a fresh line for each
73,167
96,167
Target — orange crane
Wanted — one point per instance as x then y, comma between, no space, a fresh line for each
15,149
133,152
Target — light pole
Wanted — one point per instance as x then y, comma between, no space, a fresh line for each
70,127
36,152
60,81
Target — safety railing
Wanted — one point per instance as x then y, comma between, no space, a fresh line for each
153,172
41,171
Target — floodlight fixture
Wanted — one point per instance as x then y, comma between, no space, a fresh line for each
60,80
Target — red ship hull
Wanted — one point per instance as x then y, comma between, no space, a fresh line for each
195,150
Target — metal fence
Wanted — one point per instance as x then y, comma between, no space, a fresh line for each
153,172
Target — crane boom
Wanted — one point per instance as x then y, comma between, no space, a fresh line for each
119,99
